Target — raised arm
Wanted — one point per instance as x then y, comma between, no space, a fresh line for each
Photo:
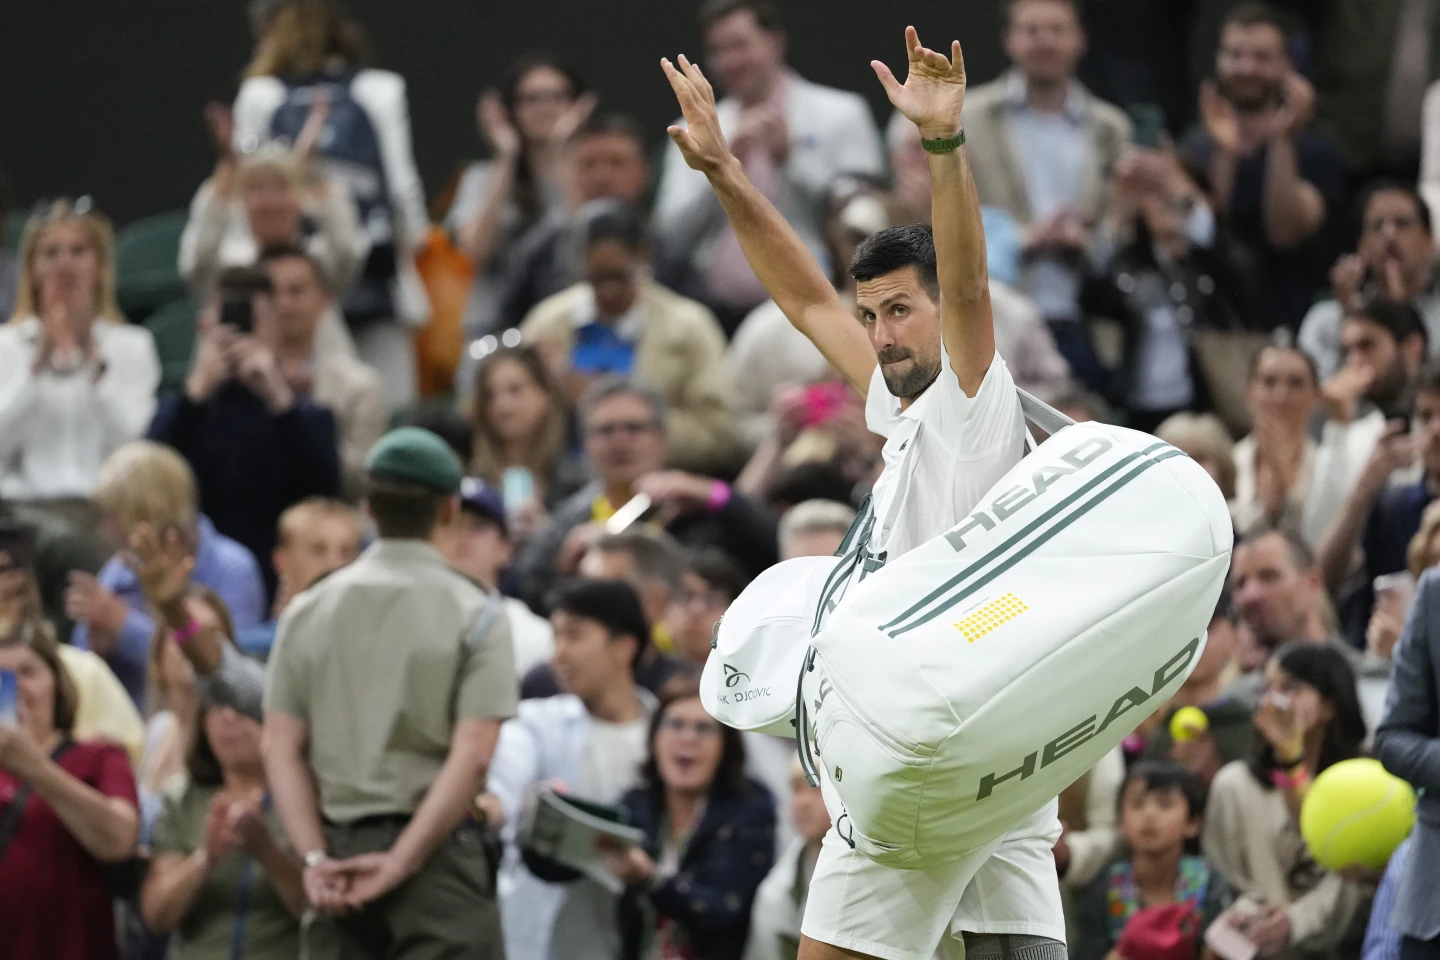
778,257
931,97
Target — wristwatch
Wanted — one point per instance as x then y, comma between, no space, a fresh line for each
316,857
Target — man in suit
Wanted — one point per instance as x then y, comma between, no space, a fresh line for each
1041,148
1408,743
794,138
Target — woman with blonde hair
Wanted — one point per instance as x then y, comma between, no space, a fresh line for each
519,416
261,199
1205,440
76,381
309,55
150,484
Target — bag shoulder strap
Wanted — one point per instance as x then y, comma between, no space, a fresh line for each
10,818
1041,414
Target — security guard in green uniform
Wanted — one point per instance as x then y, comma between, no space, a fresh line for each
386,690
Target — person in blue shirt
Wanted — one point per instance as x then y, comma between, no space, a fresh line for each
146,483
315,538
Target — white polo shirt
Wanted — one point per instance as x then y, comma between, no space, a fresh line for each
942,454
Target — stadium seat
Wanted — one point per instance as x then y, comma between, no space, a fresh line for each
14,227
173,327
146,252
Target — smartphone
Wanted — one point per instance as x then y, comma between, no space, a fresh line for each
17,541
1148,120
1394,590
638,508
9,708
237,311
517,488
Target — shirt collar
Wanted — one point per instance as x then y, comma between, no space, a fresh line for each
1016,88
404,550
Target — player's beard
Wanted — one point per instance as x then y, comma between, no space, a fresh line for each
907,381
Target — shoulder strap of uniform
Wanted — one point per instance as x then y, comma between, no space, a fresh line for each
475,636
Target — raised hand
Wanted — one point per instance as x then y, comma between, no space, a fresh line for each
700,141
496,127
573,118
1218,115
161,562
307,141
221,124
934,90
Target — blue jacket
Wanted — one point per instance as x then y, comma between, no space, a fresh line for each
220,564
1408,743
711,893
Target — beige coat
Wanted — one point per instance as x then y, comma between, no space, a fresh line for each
680,352
1251,838
352,391
995,163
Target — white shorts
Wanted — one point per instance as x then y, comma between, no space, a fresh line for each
1009,886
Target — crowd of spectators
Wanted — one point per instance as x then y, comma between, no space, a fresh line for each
644,432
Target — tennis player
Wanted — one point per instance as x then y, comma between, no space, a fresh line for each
923,355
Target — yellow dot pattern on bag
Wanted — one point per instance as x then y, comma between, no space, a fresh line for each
991,617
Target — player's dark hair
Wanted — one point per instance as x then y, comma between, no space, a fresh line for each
1162,776
1254,13
766,14
1007,8
1400,320
611,603
895,248
1391,185
1325,669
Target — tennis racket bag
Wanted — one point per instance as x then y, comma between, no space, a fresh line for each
958,689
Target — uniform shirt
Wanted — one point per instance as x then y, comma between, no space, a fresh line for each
942,454
381,659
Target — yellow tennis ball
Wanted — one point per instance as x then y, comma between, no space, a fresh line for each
1188,723
1355,814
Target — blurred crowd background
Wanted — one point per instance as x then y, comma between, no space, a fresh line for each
1210,220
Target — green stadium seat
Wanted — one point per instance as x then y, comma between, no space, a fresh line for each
146,252
173,327
14,227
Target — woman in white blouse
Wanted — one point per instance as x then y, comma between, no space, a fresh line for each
76,381
1283,477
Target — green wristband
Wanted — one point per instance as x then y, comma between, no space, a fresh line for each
944,144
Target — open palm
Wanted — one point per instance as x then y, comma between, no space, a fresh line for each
934,90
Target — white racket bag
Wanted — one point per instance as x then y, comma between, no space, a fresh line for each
958,689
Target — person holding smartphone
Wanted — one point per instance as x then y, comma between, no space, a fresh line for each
256,445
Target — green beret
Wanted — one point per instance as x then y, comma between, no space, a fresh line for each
413,455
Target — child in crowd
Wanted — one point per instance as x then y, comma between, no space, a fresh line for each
1156,900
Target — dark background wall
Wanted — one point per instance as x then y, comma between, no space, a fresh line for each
105,97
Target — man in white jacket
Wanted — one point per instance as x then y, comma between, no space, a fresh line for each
923,354
793,138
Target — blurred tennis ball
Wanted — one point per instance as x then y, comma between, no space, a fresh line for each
1355,814
1188,724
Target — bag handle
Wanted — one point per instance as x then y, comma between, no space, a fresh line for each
1041,414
